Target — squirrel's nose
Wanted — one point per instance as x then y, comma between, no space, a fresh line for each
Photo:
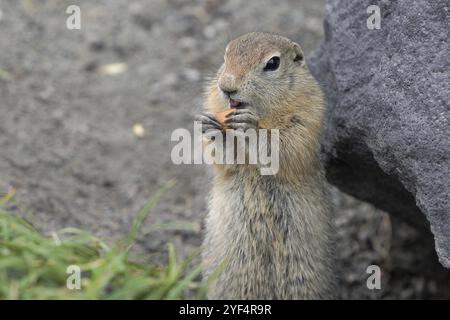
227,84
228,92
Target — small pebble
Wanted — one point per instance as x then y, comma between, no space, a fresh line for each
112,68
138,130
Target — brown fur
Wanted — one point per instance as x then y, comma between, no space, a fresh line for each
273,233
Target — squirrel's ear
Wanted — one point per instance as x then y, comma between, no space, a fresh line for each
298,54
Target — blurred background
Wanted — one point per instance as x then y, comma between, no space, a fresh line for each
86,118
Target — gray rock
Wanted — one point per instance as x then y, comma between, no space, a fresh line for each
388,135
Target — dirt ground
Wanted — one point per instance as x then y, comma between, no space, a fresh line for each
69,100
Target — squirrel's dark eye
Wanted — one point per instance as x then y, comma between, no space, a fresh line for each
272,64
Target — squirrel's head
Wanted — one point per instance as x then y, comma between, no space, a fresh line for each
260,70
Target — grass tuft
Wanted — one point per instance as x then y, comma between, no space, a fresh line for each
35,266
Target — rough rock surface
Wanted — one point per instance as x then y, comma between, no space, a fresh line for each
388,137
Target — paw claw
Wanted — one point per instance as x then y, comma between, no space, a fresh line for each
242,119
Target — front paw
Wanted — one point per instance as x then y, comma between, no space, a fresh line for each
242,119
210,126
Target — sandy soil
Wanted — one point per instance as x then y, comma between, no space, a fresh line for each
66,127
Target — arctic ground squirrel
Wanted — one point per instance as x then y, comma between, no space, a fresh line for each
271,236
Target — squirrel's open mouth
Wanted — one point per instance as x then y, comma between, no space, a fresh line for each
236,104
